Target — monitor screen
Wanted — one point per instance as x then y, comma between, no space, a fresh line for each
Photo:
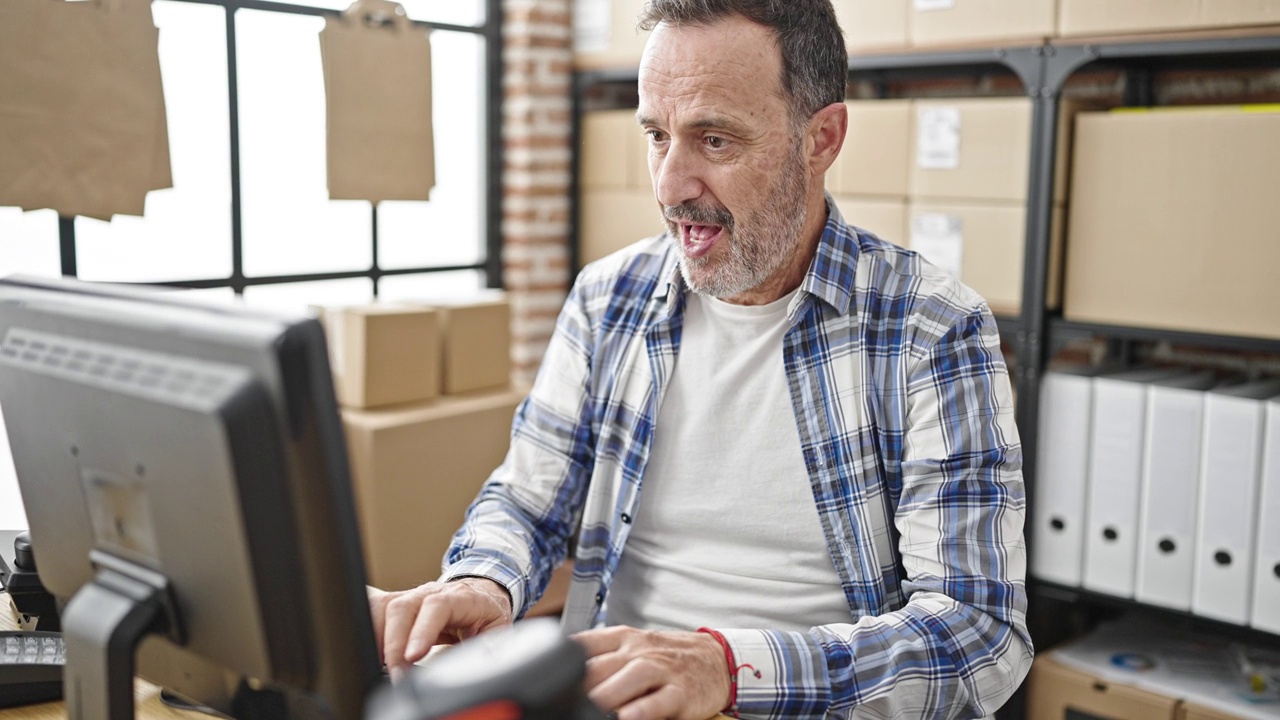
185,477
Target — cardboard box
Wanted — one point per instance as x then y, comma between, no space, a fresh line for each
873,25
886,217
1193,711
614,219
615,154
605,33
383,354
1173,221
971,149
972,22
987,241
475,343
1108,17
1058,692
877,150
415,471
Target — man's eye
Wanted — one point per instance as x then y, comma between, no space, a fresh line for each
716,142
655,135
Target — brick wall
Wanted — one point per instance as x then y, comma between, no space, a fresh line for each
535,205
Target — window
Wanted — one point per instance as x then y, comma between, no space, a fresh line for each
244,94
245,75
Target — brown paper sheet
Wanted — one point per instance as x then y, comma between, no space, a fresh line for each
82,121
378,99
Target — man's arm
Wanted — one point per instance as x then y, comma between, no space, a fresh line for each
518,528
960,646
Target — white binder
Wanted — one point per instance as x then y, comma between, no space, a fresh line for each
1170,480
1230,470
1266,574
1057,542
1115,479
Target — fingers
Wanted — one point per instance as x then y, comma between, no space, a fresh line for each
645,675
377,609
414,620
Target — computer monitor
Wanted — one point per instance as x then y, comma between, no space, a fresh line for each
184,473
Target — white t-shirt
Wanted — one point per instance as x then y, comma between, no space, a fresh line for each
727,533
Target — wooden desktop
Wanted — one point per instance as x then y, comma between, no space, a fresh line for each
145,695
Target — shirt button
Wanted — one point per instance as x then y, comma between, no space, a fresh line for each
600,598
626,518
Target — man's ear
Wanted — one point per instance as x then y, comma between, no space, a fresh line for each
825,137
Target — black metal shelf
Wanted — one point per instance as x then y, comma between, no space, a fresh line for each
1067,330
1022,61
1049,590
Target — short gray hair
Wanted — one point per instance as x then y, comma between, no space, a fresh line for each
815,66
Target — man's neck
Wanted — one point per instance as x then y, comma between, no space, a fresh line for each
789,276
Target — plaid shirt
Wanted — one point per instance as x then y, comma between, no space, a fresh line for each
905,415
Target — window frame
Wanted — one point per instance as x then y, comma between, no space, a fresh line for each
490,30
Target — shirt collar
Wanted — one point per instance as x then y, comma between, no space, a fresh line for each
830,277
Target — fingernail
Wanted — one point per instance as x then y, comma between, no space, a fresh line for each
611,716
412,650
397,674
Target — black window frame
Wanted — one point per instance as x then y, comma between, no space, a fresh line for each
491,264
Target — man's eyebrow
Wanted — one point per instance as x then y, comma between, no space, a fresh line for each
714,122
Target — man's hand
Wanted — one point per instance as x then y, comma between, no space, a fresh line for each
648,675
407,623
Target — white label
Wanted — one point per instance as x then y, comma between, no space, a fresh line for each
938,140
939,237
926,5
592,25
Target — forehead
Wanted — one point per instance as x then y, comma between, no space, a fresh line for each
730,67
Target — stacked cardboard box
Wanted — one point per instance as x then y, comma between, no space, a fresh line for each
419,458
938,23
1108,17
605,33
968,183
869,177
873,25
1173,220
617,203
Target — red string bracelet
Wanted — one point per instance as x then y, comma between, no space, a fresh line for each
734,668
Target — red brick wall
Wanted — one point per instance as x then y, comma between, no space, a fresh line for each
536,139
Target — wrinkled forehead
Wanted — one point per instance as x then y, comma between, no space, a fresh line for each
731,66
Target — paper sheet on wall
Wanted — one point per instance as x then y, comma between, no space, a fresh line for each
378,99
925,5
592,26
938,138
82,121
939,237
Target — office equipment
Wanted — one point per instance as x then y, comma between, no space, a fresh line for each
1266,574
530,671
185,477
1115,478
20,578
1170,479
1229,476
30,667
1066,404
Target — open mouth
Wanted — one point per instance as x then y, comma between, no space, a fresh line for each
698,240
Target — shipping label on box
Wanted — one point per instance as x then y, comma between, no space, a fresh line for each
939,237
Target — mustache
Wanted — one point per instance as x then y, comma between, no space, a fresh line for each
693,214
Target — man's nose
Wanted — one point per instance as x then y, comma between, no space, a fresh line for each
676,176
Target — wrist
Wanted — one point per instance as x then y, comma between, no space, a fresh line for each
490,587
719,648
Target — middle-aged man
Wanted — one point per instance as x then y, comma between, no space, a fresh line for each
764,421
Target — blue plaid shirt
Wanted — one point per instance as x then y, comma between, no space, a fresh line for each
905,415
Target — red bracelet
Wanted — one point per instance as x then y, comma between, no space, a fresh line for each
734,667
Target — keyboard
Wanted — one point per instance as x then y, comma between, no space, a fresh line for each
30,667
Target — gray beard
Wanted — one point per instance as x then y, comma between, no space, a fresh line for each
760,245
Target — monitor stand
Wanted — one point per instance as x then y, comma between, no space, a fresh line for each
102,626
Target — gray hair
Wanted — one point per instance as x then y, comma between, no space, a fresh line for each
815,66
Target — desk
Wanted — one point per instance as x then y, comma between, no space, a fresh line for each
145,695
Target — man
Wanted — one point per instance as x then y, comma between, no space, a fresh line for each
821,423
